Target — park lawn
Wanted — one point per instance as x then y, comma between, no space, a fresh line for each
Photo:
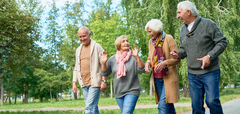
226,95
179,110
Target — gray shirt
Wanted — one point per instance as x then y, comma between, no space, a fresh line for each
205,38
128,84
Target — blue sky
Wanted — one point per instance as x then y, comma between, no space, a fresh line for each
60,5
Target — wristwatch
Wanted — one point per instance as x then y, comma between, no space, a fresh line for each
209,57
105,81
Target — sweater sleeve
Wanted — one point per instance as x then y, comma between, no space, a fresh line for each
172,46
219,40
181,50
149,54
100,51
75,68
142,69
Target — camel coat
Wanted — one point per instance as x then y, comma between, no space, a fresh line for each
171,82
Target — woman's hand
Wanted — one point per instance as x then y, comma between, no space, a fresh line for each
147,67
160,66
134,51
104,57
135,55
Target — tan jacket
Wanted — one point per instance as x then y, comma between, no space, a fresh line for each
171,82
95,65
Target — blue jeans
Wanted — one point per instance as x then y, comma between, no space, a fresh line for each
91,97
163,107
209,83
127,103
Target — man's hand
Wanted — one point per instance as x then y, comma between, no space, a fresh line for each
205,61
74,87
175,54
147,67
160,66
103,86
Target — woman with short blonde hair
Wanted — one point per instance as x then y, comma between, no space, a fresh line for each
124,66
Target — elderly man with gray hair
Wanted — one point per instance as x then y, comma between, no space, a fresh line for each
87,70
201,42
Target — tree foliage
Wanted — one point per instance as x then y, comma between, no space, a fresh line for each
26,67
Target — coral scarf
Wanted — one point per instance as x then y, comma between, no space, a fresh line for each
121,59
158,56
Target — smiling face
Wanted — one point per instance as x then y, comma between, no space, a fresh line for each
154,35
84,36
124,45
184,16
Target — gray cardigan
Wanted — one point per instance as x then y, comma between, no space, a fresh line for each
205,38
128,84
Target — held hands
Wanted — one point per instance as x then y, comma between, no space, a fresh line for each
134,51
175,54
160,66
205,61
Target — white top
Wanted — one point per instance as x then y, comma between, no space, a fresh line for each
189,27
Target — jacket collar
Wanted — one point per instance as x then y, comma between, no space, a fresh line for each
195,25
91,48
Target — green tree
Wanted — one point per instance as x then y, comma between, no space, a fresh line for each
19,31
54,40
73,17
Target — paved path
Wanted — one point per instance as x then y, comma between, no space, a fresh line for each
230,107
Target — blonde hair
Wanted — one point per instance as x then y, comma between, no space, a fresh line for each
118,41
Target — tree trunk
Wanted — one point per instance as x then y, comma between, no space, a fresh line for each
105,94
41,98
15,101
26,93
151,84
9,97
72,96
111,87
57,95
186,91
2,93
75,96
6,99
51,93
9,92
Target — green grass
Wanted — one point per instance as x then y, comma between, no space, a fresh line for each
136,111
226,95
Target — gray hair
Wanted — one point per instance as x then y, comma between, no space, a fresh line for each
85,28
154,24
187,5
